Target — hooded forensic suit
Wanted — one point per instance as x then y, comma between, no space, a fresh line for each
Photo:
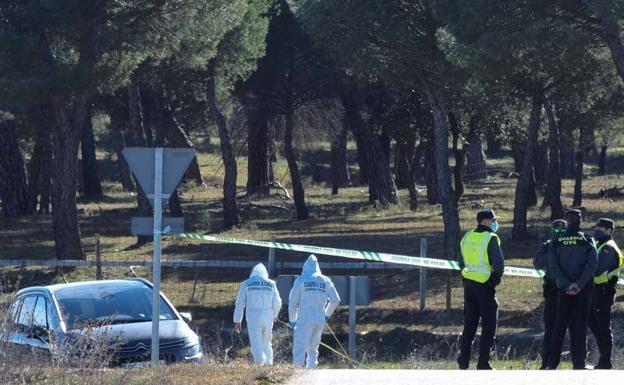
312,301
258,294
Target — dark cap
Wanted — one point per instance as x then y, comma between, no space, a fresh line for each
485,214
559,224
606,223
573,213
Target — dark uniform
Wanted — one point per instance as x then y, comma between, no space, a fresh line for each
610,261
550,292
482,267
572,260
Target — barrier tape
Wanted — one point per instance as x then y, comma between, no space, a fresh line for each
362,255
357,254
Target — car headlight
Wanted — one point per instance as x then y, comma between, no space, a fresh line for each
192,350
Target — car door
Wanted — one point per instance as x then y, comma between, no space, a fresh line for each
19,339
38,335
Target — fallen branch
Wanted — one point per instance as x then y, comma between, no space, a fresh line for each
613,192
265,207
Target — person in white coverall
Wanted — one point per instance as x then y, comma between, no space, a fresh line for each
258,294
312,301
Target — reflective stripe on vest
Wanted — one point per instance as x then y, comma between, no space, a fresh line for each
475,254
607,275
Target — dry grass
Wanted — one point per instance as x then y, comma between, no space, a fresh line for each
234,373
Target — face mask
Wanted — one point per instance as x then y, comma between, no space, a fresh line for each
558,231
599,234
494,226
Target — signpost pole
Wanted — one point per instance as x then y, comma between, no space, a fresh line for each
423,275
158,177
352,289
158,171
272,261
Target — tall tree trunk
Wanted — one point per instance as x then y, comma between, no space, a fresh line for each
39,168
361,157
602,160
339,163
116,129
459,155
591,150
614,41
385,140
381,185
494,144
431,180
540,167
476,166
553,181
259,175
413,170
13,183
566,151
231,215
532,197
580,162
403,156
69,117
45,185
136,138
136,132
91,179
291,159
448,197
517,152
175,206
523,186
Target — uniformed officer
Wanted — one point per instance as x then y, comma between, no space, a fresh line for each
572,260
549,289
610,261
482,265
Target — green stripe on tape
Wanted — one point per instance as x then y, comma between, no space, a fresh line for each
363,255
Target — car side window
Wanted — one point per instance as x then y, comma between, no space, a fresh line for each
40,314
14,311
26,312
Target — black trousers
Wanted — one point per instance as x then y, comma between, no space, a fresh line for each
479,303
603,297
551,293
573,315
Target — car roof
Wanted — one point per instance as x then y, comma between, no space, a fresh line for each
87,284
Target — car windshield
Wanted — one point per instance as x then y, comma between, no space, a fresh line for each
109,303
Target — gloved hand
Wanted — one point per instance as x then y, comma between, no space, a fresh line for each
326,318
573,289
293,325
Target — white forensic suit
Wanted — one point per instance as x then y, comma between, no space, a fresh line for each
312,301
258,294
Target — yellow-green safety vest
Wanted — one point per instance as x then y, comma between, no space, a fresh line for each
474,249
607,275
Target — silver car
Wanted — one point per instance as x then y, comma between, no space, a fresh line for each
43,319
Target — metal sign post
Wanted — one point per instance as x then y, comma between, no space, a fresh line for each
352,292
158,167
158,171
